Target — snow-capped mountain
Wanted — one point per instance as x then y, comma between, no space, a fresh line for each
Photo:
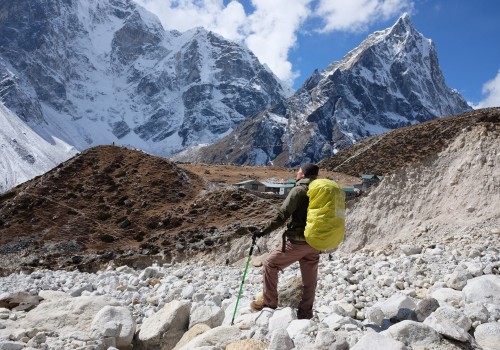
92,72
392,79
24,154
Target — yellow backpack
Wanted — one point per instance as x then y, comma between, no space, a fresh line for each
325,225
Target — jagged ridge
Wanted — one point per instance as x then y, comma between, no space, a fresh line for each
391,80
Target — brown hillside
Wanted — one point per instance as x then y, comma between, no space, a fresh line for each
114,203
386,153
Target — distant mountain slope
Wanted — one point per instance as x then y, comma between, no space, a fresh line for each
389,152
391,80
23,153
100,71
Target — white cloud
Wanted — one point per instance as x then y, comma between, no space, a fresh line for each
354,15
270,29
272,33
492,91
228,21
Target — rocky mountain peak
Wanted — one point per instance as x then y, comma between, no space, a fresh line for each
391,80
403,25
97,72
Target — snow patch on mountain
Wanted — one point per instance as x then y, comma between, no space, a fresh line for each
24,153
107,71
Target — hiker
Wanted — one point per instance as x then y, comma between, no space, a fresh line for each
294,247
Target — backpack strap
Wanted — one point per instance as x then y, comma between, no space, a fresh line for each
283,243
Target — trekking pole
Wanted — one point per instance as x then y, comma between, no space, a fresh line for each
254,238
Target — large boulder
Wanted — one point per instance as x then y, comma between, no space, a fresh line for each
281,319
487,335
280,340
164,329
16,299
413,333
66,316
211,315
391,306
192,333
116,322
483,289
450,322
448,296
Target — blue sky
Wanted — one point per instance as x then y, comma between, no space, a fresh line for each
294,37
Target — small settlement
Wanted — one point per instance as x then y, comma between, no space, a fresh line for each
281,187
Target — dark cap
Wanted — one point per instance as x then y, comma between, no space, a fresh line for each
309,169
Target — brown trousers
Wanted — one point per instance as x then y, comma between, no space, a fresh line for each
308,258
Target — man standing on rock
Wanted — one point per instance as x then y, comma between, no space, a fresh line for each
294,247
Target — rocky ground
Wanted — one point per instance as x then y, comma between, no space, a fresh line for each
435,298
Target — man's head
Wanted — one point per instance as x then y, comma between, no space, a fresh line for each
308,170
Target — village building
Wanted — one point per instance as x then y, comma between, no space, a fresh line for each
350,192
369,180
281,187
251,185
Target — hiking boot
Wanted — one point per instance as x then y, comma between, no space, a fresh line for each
258,305
304,315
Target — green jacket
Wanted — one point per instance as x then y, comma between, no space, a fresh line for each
294,206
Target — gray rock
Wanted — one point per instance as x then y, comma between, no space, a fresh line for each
297,327
12,300
375,315
476,312
76,292
326,339
404,314
450,323
187,292
116,322
391,306
213,316
458,279
413,333
448,296
218,337
243,306
425,307
376,341
66,316
11,345
280,340
483,289
487,335
410,249
53,295
281,319
165,328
